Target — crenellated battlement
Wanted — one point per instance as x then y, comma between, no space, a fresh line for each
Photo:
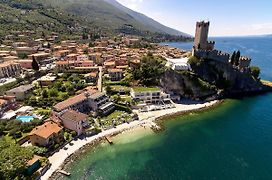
202,23
212,54
205,49
244,62
244,58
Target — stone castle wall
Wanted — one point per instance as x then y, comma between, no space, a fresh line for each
213,54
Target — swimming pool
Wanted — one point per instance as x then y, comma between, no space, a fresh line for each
25,118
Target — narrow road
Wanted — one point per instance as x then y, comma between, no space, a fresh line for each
99,82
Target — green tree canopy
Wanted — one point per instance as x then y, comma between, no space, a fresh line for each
53,92
45,93
255,71
108,90
232,59
237,57
150,70
22,56
13,160
116,98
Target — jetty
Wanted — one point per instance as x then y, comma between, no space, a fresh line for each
109,139
64,172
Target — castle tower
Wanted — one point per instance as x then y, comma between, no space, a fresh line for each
201,36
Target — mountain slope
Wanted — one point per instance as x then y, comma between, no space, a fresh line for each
73,17
110,13
149,22
18,15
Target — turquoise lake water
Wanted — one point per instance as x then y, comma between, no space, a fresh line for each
232,141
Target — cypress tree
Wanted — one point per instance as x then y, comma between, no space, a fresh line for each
237,57
35,65
232,59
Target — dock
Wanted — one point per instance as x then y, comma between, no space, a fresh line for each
64,172
109,139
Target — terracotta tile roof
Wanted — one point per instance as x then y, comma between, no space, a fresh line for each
115,70
64,51
62,62
97,95
2,101
72,115
109,63
46,130
33,160
72,55
92,74
6,64
40,54
122,67
86,68
69,102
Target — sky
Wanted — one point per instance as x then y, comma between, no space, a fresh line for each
227,17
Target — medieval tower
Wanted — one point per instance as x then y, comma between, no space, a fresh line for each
201,36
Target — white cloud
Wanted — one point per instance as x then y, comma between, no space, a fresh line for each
132,4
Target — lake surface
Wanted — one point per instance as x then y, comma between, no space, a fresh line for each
232,141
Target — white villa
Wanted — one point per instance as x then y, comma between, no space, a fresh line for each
149,94
178,64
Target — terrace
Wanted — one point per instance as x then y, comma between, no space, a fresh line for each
145,89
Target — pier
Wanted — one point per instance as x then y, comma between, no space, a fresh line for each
109,139
64,172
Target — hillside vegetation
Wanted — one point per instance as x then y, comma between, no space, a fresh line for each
73,17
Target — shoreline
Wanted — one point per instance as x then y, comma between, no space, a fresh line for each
77,146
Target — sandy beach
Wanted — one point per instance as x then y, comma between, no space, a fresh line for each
145,119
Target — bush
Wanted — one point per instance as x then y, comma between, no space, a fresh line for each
255,71
68,136
15,133
74,133
194,62
22,56
123,108
38,150
97,130
56,146
53,92
44,161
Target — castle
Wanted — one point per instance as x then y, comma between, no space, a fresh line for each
205,49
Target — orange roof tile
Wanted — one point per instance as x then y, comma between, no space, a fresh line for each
115,70
62,62
46,130
69,102
72,115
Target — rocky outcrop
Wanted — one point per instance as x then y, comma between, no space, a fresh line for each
187,84
211,80
227,78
